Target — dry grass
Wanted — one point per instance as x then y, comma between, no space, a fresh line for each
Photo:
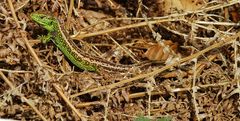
197,81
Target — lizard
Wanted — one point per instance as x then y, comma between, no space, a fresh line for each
79,58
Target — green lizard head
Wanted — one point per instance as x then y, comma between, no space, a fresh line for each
45,21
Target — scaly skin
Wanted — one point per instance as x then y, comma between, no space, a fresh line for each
79,58
56,35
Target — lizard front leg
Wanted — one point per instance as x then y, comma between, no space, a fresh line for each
45,38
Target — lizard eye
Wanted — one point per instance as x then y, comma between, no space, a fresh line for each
41,17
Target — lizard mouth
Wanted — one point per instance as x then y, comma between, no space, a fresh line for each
43,20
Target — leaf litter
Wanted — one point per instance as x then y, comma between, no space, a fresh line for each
192,45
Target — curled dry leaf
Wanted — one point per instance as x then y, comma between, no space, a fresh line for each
182,5
161,53
92,18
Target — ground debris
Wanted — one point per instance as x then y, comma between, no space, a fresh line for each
197,77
